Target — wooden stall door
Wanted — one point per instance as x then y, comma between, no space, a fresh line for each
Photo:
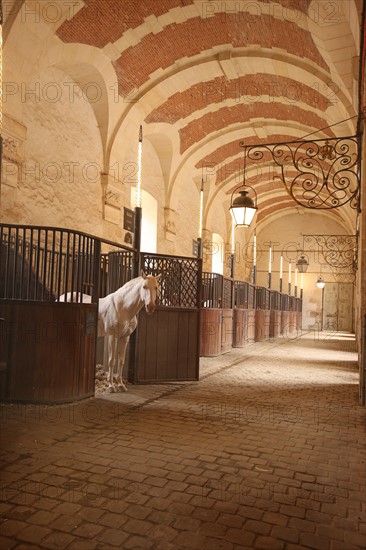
4,345
240,328
338,307
210,330
167,346
51,351
227,330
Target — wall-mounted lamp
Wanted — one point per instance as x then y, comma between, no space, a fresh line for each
302,264
320,282
243,208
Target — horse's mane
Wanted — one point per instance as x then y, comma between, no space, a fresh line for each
131,282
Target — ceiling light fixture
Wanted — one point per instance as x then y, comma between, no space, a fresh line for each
243,207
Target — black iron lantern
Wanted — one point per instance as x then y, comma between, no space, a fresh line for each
243,208
302,264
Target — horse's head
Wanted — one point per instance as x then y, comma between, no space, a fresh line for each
149,291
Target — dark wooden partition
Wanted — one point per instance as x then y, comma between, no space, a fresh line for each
292,323
240,314
227,321
216,297
275,314
298,314
251,313
166,344
240,328
262,314
243,320
210,332
4,345
285,314
50,351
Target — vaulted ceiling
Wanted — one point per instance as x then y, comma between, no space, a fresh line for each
201,76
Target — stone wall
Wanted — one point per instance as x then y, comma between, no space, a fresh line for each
59,172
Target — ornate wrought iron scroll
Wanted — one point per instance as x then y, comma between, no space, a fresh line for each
320,174
338,251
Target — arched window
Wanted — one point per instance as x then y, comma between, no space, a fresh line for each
217,254
149,225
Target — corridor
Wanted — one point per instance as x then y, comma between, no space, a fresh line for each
265,452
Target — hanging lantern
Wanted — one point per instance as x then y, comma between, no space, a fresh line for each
243,208
302,264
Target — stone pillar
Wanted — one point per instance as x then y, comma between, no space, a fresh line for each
207,250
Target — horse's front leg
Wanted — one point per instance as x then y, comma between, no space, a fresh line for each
121,354
111,361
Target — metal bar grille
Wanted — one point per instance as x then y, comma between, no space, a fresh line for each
227,293
251,297
285,302
211,290
241,291
262,298
275,300
42,263
179,282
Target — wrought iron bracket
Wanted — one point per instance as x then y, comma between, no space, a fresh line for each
320,174
338,251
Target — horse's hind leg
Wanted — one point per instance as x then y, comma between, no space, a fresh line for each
111,361
121,354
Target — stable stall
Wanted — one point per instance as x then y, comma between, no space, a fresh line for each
48,346
262,314
275,314
216,333
244,314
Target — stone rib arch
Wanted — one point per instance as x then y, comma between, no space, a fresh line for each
193,157
159,85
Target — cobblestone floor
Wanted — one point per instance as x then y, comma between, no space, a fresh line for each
265,452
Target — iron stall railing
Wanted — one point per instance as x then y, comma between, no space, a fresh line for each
42,263
251,297
217,291
275,300
285,302
227,293
262,298
180,279
241,292
298,304
116,269
211,290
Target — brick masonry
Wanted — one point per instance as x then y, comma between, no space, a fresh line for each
211,122
249,88
97,26
190,38
177,40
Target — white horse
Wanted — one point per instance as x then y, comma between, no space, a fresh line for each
117,319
